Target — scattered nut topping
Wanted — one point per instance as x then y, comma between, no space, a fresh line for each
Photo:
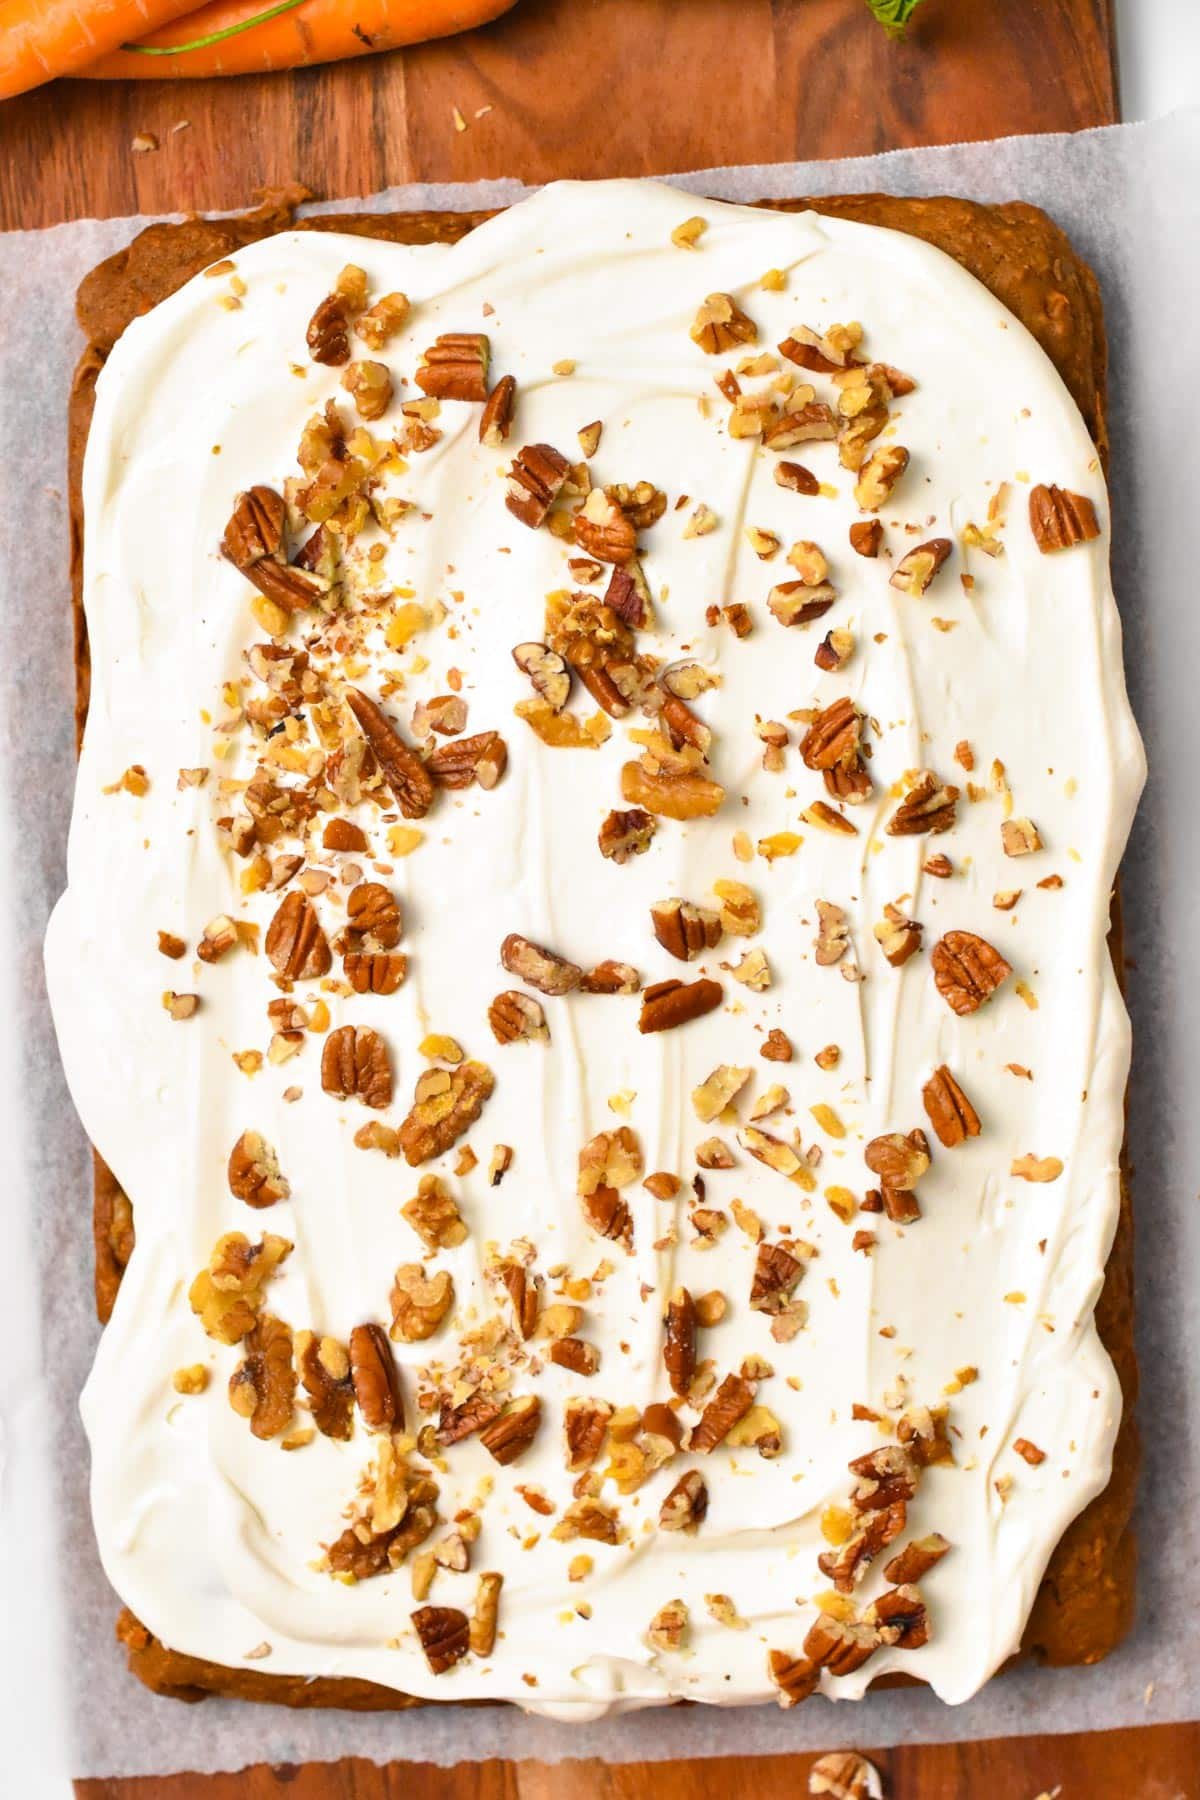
877,477
685,1507
585,1425
1058,518
444,1634
324,1367
180,1006
951,1114
776,1272
967,970
547,672
833,744
295,942
898,936
509,1435
263,1386
866,536
679,1342
434,1215
401,767
517,1018
777,1046
495,421
928,806
626,834
1019,837
355,1065
328,333
833,937
254,1173
375,1379
668,1004
482,758
534,483
899,1159
685,931
721,325
227,1294
1029,1452
369,385
419,1302
713,1095
687,235
916,1559
446,1103
456,367
604,529
1037,1168
380,323
797,478
192,1380
731,1402
914,572
543,969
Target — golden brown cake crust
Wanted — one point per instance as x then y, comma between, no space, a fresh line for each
1084,1606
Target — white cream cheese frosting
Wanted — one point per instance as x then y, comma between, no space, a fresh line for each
211,1535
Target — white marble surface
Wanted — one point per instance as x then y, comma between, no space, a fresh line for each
1158,53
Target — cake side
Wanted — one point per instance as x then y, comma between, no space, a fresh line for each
1089,1545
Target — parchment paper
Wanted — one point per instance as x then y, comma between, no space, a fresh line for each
1129,199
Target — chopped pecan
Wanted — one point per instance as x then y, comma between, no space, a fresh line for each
401,767
547,671
254,1173
668,1004
444,1634
419,1302
599,647
355,1065
263,1387
585,1424
434,1215
900,1615
482,758
455,367
604,529
839,1645
611,977
928,806
731,1402
328,333
628,595
914,572
797,478
517,1018
495,421
325,1371
800,602
717,1090
685,1507
575,1353
255,529
587,1518
375,1379
826,353
295,942
898,936
543,969
777,1046
776,1272
1019,837
833,934
486,1613
967,970
373,918
878,476
950,1112
669,793
794,1676
834,738
924,1432
679,1341
847,1565
458,1422
446,1103
609,1216
899,1159
227,1295
844,1775
916,1559
866,536
1058,518
534,482
374,973
685,931
513,1431
524,1293
720,324
642,503
626,834
668,1629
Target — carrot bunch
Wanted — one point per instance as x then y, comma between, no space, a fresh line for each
109,39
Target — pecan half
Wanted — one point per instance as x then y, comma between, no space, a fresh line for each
534,482
446,1103
543,969
839,1646
455,367
325,1372
928,806
482,758
328,334
509,1435
626,834
517,1018
444,1634
547,671
720,324
914,572
374,973
967,970
731,1402
685,931
576,1354
679,1341
375,1379
834,737
419,1302
355,1065
1058,518
495,421
263,1386
668,1004
951,1114
400,766
295,942
254,1173
458,1422
916,1559
794,1676
254,543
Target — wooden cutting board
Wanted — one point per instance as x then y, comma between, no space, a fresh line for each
604,87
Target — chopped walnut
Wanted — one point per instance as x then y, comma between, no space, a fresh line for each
254,1173
668,1629
228,1294
420,1302
324,1367
720,325
263,1386
434,1216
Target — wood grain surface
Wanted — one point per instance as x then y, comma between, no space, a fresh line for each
587,88
574,87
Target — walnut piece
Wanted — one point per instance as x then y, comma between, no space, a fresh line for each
254,1173
844,1775
446,1103
228,1293
434,1215
325,1372
670,793
720,325
419,1302
355,1065
263,1386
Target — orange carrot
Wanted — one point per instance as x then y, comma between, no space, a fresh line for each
239,37
40,39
